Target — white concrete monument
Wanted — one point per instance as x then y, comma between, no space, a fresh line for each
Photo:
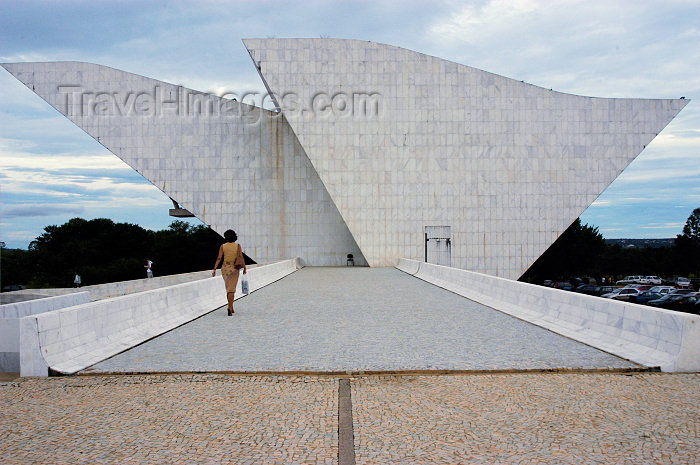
399,153
232,165
405,142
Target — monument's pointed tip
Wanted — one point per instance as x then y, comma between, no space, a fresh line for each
252,43
10,67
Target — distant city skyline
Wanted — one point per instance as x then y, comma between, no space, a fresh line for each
51,171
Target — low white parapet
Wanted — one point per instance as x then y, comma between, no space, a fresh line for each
10,315
74,338
106,290
649,336
116,289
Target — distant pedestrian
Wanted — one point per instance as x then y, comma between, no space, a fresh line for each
232,253
149,272
77,281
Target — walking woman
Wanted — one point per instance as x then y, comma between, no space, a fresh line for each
232,254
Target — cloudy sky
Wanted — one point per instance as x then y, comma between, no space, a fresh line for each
51,171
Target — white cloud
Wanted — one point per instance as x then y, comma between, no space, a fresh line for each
43,209
672,174
673,226
22,58
10,159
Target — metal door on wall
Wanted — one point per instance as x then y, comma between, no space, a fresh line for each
438,245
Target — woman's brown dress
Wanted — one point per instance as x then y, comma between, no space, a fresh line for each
229,273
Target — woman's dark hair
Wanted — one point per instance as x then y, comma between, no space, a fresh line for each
230,236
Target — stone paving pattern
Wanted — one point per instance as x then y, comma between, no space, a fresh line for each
340,319
641,418
528,419
170,419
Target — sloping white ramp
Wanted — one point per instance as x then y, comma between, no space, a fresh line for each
652,337
74,338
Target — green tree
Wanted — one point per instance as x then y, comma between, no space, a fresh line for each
687,250
101,250
691,230
182,248
577,252
17,267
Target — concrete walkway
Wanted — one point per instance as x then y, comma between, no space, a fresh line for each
353,319
206,419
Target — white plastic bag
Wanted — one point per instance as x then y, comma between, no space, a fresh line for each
245,287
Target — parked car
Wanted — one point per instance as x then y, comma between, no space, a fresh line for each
606,290
678,302
548,283
646,296
639,287
682,282
13,287
563,285
681,291
662,301
625,294
636,279
651,280
686,304
611,294
662,289
590,289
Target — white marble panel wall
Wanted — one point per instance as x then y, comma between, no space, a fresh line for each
74,338
646,335
10,315
232,165
508,165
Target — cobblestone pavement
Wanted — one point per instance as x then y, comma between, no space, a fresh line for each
641,418
340,319
173,419
528,419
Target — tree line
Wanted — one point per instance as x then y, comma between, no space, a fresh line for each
102,251
581,251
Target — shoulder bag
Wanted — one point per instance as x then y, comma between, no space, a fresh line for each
239,262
